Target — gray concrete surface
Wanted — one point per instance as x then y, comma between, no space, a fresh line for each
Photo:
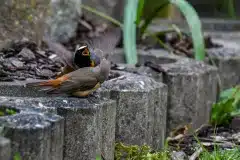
89,124
192,86
5,148
141,108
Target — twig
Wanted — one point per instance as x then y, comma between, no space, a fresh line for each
196,154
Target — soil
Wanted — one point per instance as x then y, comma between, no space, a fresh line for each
225,137
182,45
23,59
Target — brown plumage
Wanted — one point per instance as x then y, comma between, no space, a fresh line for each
97,48
81,82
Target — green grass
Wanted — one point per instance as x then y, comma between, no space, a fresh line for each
219,154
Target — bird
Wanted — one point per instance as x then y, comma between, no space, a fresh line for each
79,83
83,57
87,55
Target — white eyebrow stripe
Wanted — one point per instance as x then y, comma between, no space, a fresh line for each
82,47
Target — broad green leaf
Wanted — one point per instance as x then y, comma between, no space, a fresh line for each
153,15
221,112
227,93
139,11
129,31
195,27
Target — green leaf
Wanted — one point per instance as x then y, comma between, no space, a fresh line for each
153,15
139,11
17,156
227,93
222,112
101,14
194,25
129,31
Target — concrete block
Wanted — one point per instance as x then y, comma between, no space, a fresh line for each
141,108
5,148
89,124
192,86
227,59
30,135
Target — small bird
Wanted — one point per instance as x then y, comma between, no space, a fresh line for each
80,83
73,61
86,55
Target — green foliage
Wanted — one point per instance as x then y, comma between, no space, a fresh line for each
219,154
227,107
134,152
147,21
17,156
227,6
140,11
98,157
129,31
194,25
6,111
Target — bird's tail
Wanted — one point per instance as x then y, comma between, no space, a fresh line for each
42,83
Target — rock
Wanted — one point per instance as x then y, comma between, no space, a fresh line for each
45,73
5,148
19,21
62,24
27,54
178,155
17,63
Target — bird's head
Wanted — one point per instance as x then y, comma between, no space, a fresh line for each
84,58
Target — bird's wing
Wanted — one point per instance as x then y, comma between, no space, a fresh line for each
65,55
80,82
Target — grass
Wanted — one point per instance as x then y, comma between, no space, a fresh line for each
144,152
219,154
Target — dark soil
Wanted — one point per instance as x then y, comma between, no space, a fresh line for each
182,45
23,59
208,136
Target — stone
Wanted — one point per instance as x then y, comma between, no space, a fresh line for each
17,63
180,155
141,108
22,20
5,148
63,21
27,54
89,123
192,86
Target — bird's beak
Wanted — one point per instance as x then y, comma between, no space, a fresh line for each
86,52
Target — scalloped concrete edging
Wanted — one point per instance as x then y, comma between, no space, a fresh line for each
141,108
225,32
192,86
227,59
87,122
5,148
